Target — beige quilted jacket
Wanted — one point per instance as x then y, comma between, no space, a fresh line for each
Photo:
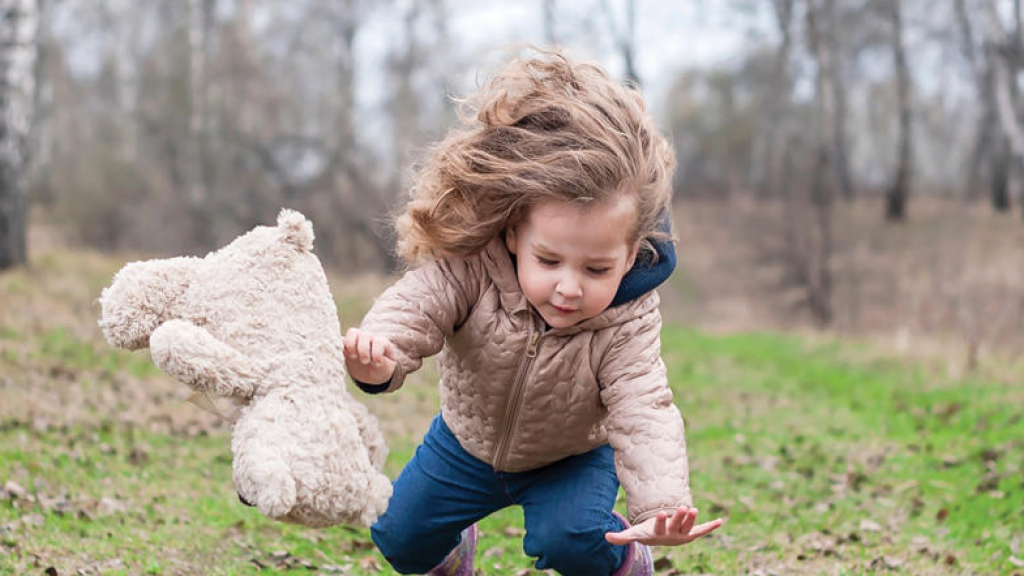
520,396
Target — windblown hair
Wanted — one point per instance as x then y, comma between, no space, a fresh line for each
543,128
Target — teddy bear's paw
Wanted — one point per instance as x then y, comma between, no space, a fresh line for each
165,346
380,489
276,497
266,483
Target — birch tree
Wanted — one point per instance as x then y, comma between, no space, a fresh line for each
18,51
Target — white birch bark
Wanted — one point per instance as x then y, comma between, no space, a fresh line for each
18,51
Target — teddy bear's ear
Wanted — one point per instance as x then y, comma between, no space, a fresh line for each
296,229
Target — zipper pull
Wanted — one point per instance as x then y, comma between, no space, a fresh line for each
531,350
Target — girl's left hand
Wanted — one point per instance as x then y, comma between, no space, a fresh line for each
664,531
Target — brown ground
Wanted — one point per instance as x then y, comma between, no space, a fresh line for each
948,283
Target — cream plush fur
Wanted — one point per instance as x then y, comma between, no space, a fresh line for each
255,322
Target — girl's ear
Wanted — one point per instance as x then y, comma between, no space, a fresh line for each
632,256
510,239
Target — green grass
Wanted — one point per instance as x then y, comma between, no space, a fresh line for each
805,448
59,347
824,460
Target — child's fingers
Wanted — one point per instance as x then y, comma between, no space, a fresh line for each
676,521
619,538
378,349
689,517
659,524
348,342
363,348
705,528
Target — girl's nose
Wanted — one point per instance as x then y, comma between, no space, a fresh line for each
569,287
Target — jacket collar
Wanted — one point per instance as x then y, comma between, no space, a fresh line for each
646,274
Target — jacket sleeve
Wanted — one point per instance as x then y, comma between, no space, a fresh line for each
422,309
644,427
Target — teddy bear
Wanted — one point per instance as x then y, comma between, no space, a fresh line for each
255,322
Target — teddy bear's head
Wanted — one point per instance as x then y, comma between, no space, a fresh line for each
143,296
268,277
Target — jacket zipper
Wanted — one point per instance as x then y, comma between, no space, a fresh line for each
515,401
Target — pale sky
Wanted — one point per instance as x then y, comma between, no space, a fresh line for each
672,35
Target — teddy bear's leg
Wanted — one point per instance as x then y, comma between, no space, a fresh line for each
369,431
262,477
194,356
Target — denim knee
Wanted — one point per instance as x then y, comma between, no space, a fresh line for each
403,549
579,550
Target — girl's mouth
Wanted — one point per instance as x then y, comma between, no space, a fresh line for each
561,310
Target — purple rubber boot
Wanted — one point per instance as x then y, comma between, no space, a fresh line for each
639,561
459,561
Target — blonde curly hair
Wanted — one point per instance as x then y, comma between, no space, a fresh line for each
543,128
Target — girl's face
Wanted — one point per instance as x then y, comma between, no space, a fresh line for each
571,259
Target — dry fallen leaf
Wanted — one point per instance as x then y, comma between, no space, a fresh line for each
495,552
884,563
370,563
13,490
33,520
108,506
870,526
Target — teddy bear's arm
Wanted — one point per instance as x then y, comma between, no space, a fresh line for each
194,356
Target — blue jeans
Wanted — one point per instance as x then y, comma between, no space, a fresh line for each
567,507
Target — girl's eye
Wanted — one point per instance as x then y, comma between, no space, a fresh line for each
546,261
598,271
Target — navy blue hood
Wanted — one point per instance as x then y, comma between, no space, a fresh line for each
646,274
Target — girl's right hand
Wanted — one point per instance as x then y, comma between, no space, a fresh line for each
369,359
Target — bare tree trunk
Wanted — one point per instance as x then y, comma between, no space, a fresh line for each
625,39
896,197
772,153
986,121
818,269
127,74
549,22
840,155
360,202
404,104
40,139
200,13
1004,74
1002,159
18,51
990,147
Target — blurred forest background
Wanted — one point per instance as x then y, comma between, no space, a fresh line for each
848,164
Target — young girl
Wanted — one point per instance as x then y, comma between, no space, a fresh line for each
541,229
